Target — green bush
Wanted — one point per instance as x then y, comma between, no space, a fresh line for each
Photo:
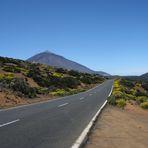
59,75
86,80
64,92
42,90
121,103
74,73
140,93
8,76
19,85
145,86
74,91
118,94
112,100
141,99
144,105
127,83
61,70
130,97
59,92
12,68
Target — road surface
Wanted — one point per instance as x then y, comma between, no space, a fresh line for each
52,124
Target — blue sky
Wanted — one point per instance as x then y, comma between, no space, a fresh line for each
107,35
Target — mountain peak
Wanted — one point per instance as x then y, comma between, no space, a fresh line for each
54,60
47,51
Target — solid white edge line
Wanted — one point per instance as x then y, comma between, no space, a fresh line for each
64,104
2,125
82,138
111,91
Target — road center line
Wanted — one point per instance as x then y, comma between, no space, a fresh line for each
9,123
90,94
82,98
63,104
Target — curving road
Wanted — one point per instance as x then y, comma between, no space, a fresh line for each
51,124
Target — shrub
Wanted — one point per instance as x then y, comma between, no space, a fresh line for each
7,76
145,86
59,75
19,85
12,68
121,103
42,90
112,100
74,91
130,97
59,92
140,93
61,70
63,92
1,76
116,84
69,82
118,94
74,73
127,83
86,80
144,105
141,99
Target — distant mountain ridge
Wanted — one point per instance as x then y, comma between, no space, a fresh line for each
143,77
58,61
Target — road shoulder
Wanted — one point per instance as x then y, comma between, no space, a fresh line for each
120,128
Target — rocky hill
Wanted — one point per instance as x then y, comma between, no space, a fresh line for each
21,79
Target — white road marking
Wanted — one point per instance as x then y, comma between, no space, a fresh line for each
94,92
83,137
111,91
78,143
82,98
9,123
63,104
90,94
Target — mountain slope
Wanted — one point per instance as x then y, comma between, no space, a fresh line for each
55,60
21,80
144,77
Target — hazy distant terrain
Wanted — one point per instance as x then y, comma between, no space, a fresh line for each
143,77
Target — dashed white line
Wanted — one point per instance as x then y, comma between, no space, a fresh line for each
90,94
9,123
82,98
63,104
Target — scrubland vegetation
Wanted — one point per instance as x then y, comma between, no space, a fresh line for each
126,90
29,80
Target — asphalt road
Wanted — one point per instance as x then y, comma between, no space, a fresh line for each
52,124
